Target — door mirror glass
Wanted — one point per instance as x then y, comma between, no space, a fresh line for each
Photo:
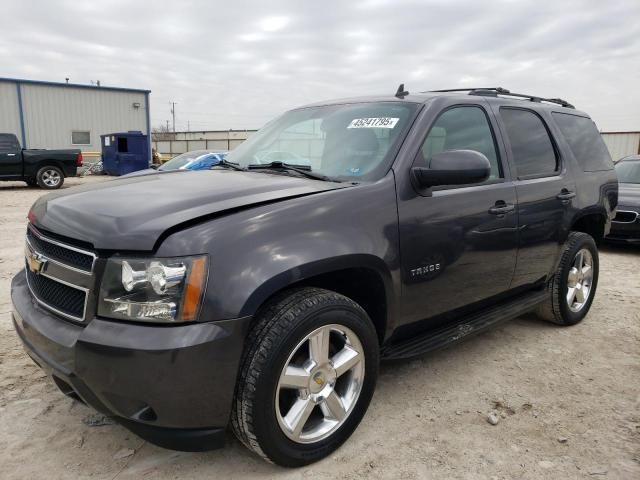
453,167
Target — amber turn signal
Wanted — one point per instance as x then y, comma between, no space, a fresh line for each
194,289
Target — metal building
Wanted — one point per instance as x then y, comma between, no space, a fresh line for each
66,115
622,144
169,144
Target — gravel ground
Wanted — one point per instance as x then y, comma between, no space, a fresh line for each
565,400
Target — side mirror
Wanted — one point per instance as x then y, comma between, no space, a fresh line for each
453,167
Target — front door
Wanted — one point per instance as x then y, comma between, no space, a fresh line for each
458,244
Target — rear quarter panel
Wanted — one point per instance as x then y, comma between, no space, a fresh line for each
596,191
63,159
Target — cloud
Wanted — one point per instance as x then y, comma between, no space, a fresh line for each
237,64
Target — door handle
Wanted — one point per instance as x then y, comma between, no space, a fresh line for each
11,154
565,195
501,208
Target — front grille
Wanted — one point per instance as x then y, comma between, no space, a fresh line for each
57,296
60,276
59,252
625,216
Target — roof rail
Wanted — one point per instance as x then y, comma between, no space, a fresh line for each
495,91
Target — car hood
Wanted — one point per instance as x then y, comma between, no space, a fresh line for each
629,194
132,213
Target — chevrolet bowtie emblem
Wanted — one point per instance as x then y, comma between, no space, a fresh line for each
36,262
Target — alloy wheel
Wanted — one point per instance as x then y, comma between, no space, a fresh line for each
579,281
320,384
51,178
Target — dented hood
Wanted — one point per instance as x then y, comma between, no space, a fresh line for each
132,213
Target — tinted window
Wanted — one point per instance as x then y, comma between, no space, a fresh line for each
533,152
585,142
461,128
8,143
628,172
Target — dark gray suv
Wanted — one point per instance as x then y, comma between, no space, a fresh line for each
263,293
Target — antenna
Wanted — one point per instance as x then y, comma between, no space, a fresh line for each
401,92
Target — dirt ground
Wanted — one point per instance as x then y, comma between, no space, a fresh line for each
567,400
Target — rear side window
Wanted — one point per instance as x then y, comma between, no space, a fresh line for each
8,143
585,142
533,152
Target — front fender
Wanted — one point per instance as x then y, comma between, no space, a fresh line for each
312,269
257,252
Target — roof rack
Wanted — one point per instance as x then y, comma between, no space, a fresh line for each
495,91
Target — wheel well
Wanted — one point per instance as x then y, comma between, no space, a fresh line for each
362,285
49,163
593,224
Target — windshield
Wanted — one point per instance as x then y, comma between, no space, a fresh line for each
343,142
628,172
182,160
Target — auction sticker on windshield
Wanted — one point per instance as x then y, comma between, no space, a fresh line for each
377,122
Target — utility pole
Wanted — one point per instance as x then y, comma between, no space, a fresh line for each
173,114
188,125
167,125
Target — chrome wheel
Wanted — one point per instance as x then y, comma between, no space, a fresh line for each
320,384
579,280
51,178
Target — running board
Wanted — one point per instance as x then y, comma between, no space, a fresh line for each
464,328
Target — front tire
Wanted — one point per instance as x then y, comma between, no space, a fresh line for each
573,287
50,178
306,377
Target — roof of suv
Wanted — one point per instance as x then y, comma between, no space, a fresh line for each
491,94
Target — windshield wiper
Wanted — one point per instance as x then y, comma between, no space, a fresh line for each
228,164
301,169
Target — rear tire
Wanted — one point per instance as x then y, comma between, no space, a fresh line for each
573,287
50,178
294,404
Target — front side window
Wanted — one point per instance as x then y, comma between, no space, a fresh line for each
533,152
81,137
585,141
338,141
461,128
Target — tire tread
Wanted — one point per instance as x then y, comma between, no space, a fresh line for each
272,322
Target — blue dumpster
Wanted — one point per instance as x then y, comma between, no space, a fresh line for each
125,152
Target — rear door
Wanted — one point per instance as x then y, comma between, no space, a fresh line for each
544,189
10,156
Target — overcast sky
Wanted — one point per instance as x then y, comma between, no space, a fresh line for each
236,64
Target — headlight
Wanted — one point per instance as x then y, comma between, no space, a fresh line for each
153,290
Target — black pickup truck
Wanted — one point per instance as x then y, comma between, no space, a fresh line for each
263,293
43,168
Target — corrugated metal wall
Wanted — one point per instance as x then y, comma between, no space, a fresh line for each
9,112
622,144
51,113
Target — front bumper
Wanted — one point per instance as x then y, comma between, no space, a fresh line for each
171,385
